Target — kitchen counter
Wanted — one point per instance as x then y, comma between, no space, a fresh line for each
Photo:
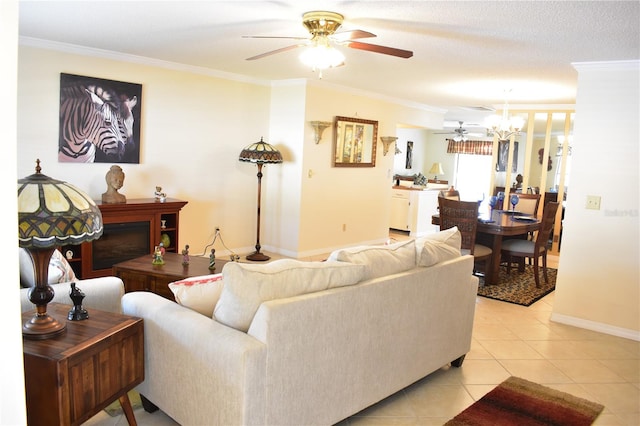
412,208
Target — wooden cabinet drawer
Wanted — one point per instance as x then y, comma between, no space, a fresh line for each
160,287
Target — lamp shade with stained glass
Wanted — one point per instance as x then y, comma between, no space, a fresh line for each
51,213
259,153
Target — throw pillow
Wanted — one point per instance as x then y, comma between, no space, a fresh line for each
59,269
247,285
380,260
438,247
198,293
64,271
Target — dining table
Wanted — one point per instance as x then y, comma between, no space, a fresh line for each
493,226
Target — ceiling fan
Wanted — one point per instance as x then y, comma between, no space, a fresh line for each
461,134
322,27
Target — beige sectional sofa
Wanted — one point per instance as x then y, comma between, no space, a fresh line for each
100,293
302,343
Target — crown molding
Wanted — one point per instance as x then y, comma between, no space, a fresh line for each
608,65
141,60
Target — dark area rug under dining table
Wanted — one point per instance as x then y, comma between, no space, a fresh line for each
519,287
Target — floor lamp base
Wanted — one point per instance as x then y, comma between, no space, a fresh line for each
258,257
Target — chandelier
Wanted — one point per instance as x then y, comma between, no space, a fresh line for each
505,126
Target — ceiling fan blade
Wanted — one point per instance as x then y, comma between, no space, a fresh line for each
273,52
343,36
380,49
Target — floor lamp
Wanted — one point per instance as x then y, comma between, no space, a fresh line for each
51,213
260,153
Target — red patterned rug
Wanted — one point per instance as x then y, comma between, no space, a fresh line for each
518,402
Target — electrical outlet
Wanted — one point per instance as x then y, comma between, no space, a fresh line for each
593,202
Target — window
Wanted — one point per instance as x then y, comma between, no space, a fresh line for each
473,176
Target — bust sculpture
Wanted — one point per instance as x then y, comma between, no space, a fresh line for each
115,180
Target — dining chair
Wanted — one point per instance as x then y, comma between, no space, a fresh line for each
522,249
464,215
528,203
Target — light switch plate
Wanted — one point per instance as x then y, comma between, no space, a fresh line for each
593,202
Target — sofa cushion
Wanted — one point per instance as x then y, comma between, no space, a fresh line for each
59,269
247,285
380,260
438,247
198,293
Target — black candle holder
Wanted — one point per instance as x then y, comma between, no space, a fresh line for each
77,313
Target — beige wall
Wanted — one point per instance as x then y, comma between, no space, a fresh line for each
421,161
193,127
598,283
327,207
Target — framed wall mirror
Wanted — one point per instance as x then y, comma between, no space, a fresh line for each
354,142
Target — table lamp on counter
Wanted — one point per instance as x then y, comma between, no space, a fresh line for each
436,169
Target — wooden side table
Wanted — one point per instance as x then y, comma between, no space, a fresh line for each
140,275
71,377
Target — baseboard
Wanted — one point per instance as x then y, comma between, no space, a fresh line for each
597,326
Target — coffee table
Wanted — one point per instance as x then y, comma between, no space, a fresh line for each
140,275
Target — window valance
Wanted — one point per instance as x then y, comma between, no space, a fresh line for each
470,147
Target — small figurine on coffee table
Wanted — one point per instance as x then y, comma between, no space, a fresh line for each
212,260
157,255
185,256
77,313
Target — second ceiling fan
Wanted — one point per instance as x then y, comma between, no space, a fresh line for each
461,134
322,27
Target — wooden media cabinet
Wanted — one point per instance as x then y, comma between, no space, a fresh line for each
131,229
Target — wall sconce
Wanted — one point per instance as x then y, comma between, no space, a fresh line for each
386,141
318,127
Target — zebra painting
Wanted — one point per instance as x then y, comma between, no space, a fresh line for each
97,122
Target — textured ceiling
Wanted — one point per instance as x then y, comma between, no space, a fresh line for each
465,53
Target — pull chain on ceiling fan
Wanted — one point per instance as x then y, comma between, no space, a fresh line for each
321,53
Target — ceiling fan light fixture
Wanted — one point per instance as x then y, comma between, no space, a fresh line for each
321,55
321,22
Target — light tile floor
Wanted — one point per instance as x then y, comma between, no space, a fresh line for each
507,340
